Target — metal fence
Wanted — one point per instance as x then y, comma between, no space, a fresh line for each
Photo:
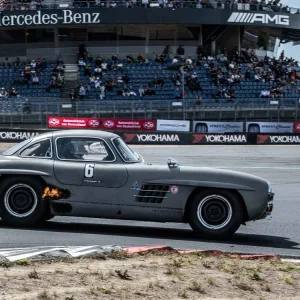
36,114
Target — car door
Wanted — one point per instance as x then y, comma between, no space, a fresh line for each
88,162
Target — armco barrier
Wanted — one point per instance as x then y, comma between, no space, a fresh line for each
171,138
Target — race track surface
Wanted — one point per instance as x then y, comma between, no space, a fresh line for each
280,235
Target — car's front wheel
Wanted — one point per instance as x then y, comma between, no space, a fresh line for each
21,201
215,214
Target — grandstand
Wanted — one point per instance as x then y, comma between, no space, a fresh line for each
217,37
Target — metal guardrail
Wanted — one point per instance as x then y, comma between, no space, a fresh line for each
222,4
19,113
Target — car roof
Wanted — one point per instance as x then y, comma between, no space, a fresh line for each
78,133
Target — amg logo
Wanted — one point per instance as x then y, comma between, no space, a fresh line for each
259,18
158,138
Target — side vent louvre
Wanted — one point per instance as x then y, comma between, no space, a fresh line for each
152,193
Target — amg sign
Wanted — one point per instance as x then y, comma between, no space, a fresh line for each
61,17
252,18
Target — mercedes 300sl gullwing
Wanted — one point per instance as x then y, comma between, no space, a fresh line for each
89,173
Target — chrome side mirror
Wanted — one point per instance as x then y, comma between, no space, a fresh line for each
172,163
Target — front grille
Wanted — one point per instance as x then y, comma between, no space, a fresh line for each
152,193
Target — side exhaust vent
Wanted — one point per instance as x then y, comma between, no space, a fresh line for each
152,193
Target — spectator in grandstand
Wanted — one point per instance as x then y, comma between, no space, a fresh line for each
102,91
12,93
82,92
27,107
114,58
130,59
110,83
59,80
87,70
180,51
3,93
104,66
161,82
141,59
145,3
282,55
166,53
265,93
98,72
148,91
44,64
17,62
97,82
73,95
35,80
125,78
6,62
33,64
81,62
229,94
82,51
59,60
141,91
177,94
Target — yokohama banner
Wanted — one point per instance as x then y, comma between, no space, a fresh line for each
124,124
219,139
218,127
173,125
269,127
263,139
75,123
156,138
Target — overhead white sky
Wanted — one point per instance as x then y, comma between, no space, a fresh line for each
289,49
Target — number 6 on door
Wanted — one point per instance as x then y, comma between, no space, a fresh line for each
89,171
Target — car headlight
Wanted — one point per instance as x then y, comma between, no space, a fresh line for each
269,187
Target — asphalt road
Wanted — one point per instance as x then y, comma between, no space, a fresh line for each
279,235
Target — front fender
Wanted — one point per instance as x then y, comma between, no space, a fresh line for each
23,172
199,183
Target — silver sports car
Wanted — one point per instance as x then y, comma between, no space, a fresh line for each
88,173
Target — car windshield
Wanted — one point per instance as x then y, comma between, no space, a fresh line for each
17,147
125,152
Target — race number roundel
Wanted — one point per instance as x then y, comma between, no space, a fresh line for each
174,189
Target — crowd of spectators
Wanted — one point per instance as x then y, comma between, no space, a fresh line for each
273,5
29,74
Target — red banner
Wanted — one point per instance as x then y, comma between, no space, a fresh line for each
123,124
297,127
75,123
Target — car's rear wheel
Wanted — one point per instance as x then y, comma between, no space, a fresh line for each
215,213
21,201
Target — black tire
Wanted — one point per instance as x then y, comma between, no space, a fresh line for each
21,202
215,214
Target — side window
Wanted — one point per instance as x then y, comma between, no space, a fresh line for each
83,149
40,149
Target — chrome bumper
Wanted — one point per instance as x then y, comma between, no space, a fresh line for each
269,207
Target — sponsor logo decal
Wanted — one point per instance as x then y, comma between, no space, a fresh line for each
285,139
158,137
94,123
262,139
298,127
174,189
54,121
65,16
108,123
251,18
16,135
129,137
149,125
135,186
219,138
